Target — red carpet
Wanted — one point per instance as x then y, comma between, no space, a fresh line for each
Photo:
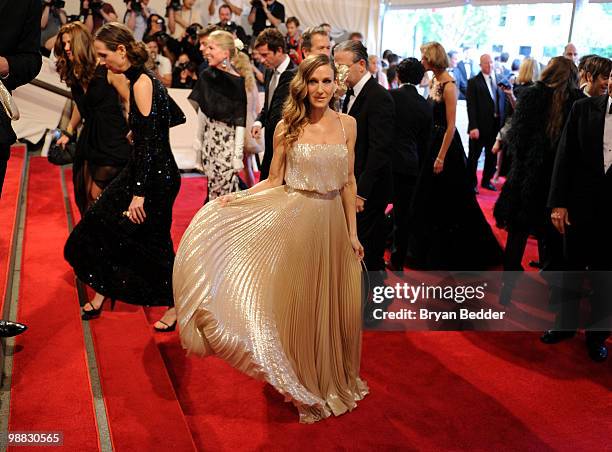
141,405
50,388
428,391
8,214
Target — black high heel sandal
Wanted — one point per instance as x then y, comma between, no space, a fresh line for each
165,330
95,313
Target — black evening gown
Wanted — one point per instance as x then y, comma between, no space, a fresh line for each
452,232
117,258
102,150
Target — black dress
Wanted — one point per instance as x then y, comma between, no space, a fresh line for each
452,232
102,150
117,258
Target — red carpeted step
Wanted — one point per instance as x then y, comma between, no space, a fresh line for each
9,204
142,408
50,388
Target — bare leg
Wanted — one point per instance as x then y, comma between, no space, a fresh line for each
167,321
95,303
248,170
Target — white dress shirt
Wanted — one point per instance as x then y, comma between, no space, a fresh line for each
357,89
607,138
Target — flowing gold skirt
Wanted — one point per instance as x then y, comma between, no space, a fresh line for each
270,284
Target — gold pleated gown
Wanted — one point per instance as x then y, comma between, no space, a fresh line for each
270,283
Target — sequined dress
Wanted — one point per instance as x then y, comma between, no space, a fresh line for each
270,284
121,260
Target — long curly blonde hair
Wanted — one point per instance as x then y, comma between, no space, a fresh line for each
297,107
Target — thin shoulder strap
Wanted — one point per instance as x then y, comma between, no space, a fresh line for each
341,125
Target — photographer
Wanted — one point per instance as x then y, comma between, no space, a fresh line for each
266,14
190,44
53,17
136,16
185,73
180,17
214,8
226,23
97,13
162,65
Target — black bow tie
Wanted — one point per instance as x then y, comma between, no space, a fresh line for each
347,99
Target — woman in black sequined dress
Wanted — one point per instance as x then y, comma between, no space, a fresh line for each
452,231
122,247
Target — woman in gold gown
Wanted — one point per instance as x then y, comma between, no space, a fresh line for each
269,279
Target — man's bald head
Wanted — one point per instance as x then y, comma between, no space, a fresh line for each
486,63
570,52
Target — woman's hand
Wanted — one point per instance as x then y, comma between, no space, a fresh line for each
357,247
226,199
497,147
136,212
438,165
62,141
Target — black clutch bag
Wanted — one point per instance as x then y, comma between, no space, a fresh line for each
59,156
177,117
127,226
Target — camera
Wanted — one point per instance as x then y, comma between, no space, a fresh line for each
96,5
135,5
256,3
175,5
162,37
192,31
504,84
59,4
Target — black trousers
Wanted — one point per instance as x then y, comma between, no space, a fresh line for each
486,142
403,189
589,262
371,233
5,152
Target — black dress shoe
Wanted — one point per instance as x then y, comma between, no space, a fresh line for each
554,337
489,186
535,264
10,329
598,352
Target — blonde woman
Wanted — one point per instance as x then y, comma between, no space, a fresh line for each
269,279
252,145
448,220
221,96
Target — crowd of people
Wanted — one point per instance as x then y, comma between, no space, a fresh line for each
269,272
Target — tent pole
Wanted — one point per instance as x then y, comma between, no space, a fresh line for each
571,30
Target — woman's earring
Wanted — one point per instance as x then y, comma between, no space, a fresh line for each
224,64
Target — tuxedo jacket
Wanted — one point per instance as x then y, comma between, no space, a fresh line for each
481,108
19,44
579,182
374,111
271,115
413,127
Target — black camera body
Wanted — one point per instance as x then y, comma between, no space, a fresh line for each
257,3
192,31
175,5
135,4
504,84
96,5
58,4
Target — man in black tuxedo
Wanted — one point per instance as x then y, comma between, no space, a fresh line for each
581,196
486,105
413,126
20,62
372,106
280,71
457,68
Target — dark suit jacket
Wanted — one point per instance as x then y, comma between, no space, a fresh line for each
271,116
579,182
481,108
374,111
462,77
19,44
413,126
